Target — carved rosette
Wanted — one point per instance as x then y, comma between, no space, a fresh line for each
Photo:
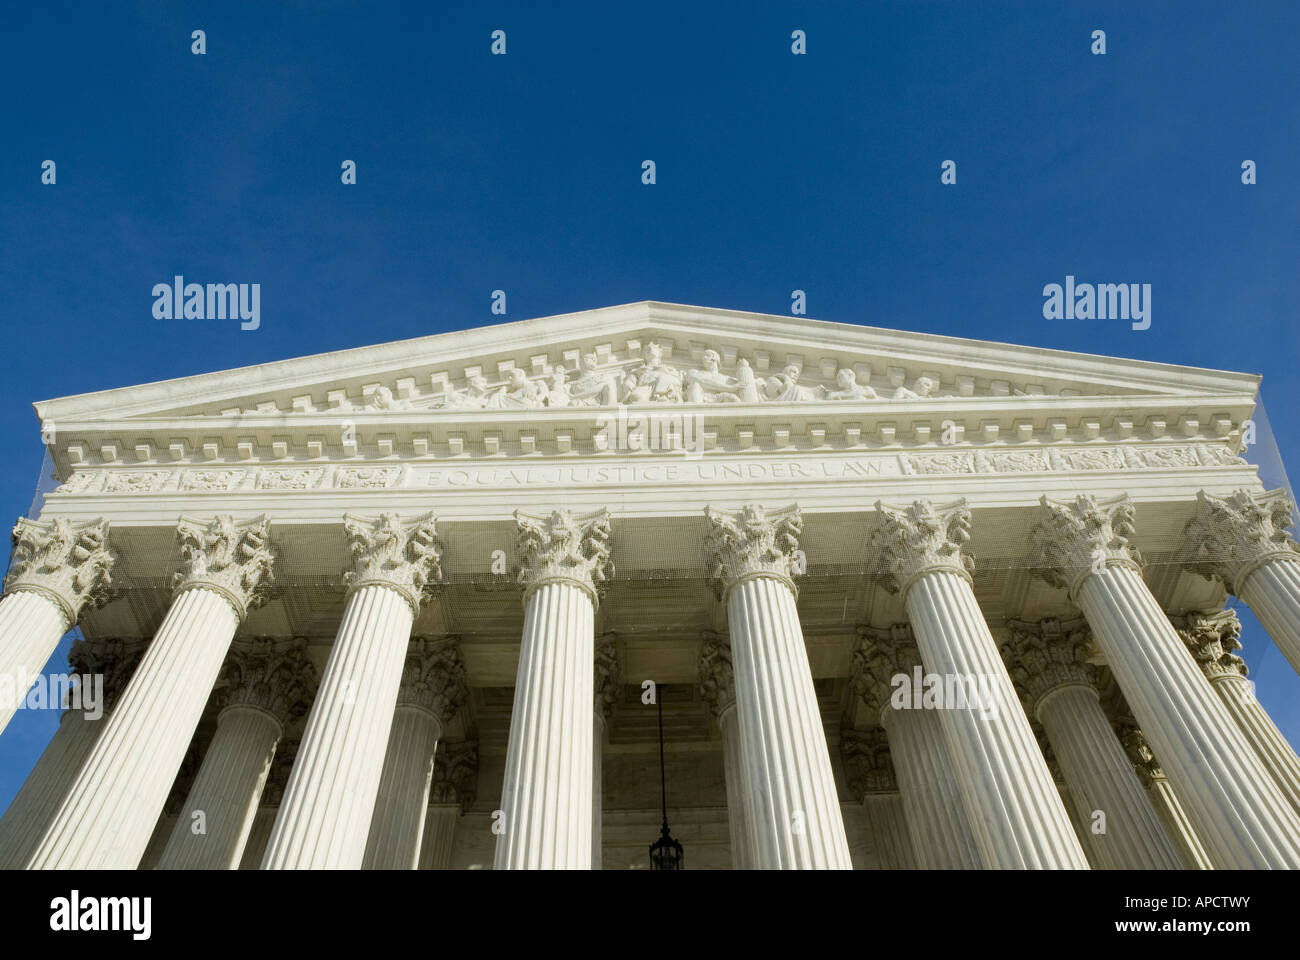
564,547
1213,639
1076,538
276,677
433,678
753,542
455,773
115,660
68,563
909,542
717,680
881,655
1230,537
609,674
1047,655
867,764
234,559
388,551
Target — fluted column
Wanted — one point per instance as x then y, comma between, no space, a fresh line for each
455,783
32,810
324,819
547,794
1241,539
1239,812
1012,803
1049,661
794,809
56,568
112,808
717,681
871,776
609,676
1169,809
267,685
937,823
1213,639
432,692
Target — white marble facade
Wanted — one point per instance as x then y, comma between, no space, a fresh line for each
405,606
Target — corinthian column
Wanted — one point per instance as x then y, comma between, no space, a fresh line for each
57,567
1161,793
455,784
324,818
718,685
547,796
114,804
1241,539
1212,639
432,692
29,815
871,776
267,685
609,676
1012,803
1049,661
1239,812
794,808
937,822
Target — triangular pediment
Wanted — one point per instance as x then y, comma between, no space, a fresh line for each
650,353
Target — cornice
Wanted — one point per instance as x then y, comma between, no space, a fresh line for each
425,366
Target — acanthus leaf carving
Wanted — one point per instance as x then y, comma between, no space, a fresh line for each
608,674
401,554
455,773
69,563
1213,640
717,678
1231,537
233,558
1083,536
272,676
1046,655
564,546
909,542
753,542
434,678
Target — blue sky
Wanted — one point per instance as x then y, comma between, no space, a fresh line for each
523,173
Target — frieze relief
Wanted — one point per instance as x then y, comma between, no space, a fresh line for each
591,380
709,468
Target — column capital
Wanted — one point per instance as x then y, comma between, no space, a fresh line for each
753,542
230,557
909,542
867,764
1231,537
1079,537
1212,639
1049,654
608,674
1138,749
717,679
455,773
114,659
277,778
880,655
274,676
433,678
389,551
564,547
68,563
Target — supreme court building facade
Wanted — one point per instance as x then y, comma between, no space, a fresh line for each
904,600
